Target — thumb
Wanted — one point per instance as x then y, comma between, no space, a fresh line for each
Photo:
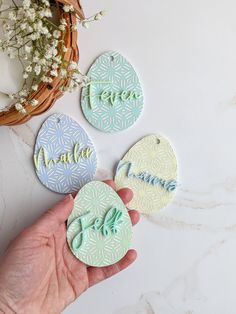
48,223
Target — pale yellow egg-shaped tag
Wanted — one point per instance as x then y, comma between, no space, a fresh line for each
149,169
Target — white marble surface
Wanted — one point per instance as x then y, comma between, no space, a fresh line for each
185,53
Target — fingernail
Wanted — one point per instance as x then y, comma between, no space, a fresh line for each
68,197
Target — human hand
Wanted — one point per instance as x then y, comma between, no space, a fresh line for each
39,274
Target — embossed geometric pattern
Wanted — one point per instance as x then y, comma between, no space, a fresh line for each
154,155
58,135
98,250
113,68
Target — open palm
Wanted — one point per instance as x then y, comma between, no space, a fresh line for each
39,274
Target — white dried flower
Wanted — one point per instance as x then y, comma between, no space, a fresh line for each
35,87
62,27
73,65
11,96
56,34
63,22
23,111
98,17
47,13
46,2
74,28
54,73
23,26
68,8
85,24
25,75
57,59
64,49
23,92
26,4
55,66
12,16
63,72
18,107
103,13
37,69
28,68
35,59
35,36
28,49
34,102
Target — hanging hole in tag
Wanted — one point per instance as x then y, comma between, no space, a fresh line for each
112,58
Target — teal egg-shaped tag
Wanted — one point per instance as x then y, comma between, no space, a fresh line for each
112,99
99,229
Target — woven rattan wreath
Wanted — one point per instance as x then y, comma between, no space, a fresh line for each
47,93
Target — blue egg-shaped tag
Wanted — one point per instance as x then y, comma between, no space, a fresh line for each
64,156
112,99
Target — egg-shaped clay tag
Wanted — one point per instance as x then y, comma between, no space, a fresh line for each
64,156
149,169
99,229
112,99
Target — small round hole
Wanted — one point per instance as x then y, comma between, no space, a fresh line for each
158,141
58,120
112,58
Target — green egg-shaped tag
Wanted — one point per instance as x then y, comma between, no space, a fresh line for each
112,100
99,229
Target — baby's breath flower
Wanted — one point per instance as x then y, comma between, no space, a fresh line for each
23,111
55,66
85,24
73,65
56,34
74,28
63,22
54,73
62,27
68,8
64,49
98,16
37,69
47,13
23,26
23,92
28,49
63,72
103,13
25,75
34,87
11,96
28,68
12,16
18,106
26,4
34,102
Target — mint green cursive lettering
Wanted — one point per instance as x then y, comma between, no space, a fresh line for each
168,185
109,96
107,226
41,157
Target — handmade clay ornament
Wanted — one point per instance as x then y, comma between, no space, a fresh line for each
150,170
112,100
64,156
99,229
